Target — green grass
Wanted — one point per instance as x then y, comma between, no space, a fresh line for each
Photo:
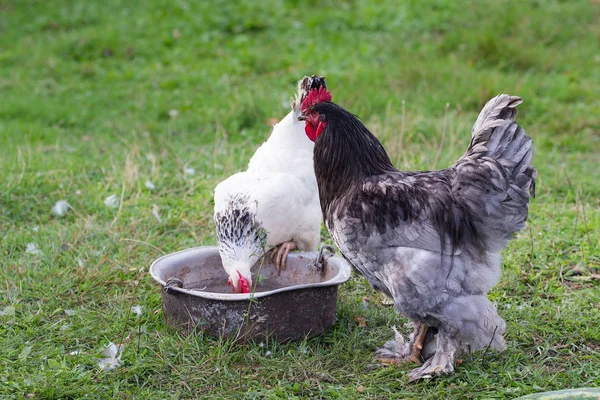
86,92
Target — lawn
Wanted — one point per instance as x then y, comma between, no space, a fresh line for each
157,101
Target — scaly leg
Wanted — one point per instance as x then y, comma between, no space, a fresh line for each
398,351
280,253
441,363
418,343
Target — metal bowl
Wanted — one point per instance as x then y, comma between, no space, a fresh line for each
298,303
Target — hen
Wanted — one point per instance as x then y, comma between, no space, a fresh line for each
273,203
430,240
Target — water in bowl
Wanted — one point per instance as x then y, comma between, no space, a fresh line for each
219,285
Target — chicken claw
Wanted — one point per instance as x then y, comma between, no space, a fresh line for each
442,363
280,253
399,351
395,351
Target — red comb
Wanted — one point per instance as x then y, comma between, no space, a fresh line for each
320,95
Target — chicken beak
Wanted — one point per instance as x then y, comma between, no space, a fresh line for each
302,117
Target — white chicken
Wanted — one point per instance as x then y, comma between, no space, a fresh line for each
274,203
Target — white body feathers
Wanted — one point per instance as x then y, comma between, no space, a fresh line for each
277,195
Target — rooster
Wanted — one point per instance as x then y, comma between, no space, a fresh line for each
273,203
430,240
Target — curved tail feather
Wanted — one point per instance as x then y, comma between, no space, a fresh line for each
495,175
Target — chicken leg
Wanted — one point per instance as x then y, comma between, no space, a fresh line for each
279,254
398,351
418,343
441,363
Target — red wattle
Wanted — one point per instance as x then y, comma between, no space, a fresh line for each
310,131
320,129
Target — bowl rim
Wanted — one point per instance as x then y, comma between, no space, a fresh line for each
342,276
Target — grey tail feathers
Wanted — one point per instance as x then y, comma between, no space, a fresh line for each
497,135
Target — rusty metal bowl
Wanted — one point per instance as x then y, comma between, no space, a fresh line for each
299,303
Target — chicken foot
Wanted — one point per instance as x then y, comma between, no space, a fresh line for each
279,254
398,351
441,363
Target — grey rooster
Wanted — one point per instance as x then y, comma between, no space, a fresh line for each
430,240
